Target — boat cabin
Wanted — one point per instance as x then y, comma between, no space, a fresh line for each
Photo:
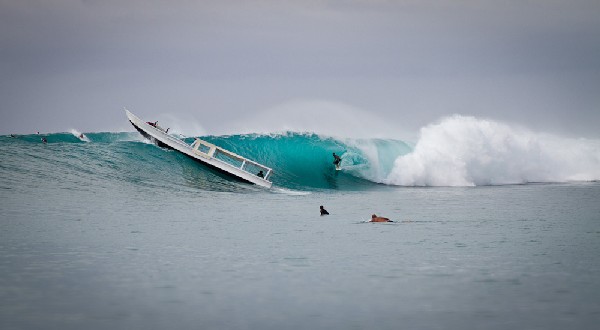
209,150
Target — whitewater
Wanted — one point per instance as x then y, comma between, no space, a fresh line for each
495,227
465,151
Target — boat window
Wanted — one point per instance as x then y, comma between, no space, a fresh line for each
204,148
254,169
229,159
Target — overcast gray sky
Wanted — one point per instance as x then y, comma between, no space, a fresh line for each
215,65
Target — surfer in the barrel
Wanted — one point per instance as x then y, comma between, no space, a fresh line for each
336,160
375,218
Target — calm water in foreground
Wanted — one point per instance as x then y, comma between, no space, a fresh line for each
138,257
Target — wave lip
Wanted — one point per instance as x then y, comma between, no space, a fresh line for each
466,151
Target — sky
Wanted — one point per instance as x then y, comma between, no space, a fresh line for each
386,68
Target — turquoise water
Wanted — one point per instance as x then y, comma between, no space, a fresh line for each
118,233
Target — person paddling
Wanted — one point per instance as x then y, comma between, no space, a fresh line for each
375,218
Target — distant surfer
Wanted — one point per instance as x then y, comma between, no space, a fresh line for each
153,124
323,210
336,160
13,136
44,140
81,136
260,174
375,218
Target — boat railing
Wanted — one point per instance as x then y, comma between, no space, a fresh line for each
210,150
171,138
178,141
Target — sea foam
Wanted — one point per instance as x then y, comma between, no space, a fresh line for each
79,135
467,151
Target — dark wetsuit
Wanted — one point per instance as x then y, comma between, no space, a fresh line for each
336,160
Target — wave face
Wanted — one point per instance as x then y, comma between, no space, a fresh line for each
301,161
458,151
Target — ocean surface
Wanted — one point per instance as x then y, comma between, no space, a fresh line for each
494,228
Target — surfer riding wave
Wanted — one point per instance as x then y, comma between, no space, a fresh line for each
336,160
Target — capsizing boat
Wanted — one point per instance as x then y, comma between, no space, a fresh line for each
206,153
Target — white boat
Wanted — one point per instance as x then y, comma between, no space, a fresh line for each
207,153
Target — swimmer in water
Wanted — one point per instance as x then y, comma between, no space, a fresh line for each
375,218
323,210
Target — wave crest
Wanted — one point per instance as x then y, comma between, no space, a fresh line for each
466,151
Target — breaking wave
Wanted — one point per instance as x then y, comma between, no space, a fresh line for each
466,151
457,151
